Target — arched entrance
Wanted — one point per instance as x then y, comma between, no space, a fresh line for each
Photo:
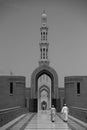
44,98
54,96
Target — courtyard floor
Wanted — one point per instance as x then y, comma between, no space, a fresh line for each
41,121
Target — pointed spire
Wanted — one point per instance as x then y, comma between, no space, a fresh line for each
44,18
44,11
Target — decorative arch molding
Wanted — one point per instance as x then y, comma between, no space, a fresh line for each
44,88
44,69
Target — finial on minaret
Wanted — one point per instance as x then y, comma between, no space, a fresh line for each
44,12
44,18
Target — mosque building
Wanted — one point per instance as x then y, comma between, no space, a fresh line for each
44,79
44,91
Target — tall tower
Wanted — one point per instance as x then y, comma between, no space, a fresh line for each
44,41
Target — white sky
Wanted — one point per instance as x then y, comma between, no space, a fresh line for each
20,22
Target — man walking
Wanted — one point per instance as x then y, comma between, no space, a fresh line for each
53,113
65,112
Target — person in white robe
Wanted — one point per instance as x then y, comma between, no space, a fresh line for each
53,113
65,112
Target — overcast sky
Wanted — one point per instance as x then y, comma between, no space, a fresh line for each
20,22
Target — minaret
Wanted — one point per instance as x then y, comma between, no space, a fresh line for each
44,41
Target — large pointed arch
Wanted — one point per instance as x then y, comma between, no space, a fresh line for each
44,69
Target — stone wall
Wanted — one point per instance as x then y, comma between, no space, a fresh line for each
12,97
76,96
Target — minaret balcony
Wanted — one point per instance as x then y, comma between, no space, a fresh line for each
44,62
44,43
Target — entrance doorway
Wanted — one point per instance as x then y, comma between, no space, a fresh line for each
44,78
44,92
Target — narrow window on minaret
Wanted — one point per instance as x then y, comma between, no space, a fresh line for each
43,37
41,53
43,33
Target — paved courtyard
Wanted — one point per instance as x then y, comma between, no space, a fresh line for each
41,121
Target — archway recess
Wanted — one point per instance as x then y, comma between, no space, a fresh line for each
44,98
44,69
